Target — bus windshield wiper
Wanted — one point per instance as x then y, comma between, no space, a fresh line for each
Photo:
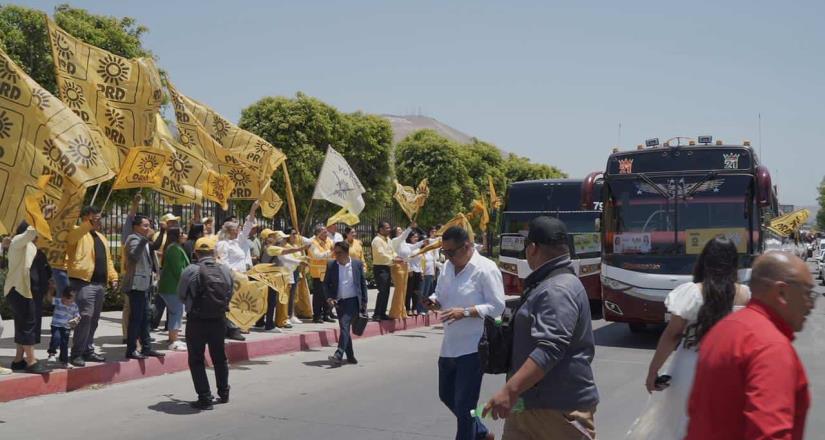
698,184
655,185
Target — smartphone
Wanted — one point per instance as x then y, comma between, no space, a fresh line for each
662,382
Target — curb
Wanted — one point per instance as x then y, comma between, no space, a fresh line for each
21,386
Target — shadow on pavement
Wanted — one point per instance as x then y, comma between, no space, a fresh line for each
246,365
174,406
322,363
619,335
410,336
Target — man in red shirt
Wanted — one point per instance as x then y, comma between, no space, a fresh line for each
750,384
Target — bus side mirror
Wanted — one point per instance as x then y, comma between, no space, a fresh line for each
598,224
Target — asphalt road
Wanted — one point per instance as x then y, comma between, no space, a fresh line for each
391,394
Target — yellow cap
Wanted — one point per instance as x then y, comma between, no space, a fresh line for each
169,216
280,235
266,233
205,244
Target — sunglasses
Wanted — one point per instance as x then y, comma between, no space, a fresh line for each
450,253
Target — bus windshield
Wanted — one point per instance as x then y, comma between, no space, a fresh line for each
676,215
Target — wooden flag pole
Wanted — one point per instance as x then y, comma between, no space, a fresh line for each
97,189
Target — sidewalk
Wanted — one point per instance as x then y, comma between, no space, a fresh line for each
108,338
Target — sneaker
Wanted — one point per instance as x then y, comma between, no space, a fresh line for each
4,371
52,358
202,404
177,346
295,320
335,359
287,325
94,357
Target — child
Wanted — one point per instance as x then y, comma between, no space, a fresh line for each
66,316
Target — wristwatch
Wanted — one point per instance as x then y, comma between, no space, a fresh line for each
467,313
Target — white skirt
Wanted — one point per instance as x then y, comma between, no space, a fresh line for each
665,416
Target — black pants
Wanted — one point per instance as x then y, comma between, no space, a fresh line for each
271,300
157,314
347,309
25,319
382,281
320,308
413,288
199,334
139,316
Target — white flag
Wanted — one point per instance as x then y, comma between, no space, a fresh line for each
338,184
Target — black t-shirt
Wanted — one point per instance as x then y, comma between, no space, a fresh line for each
100,274
40,273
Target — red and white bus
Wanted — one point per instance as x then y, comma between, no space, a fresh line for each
661,205
559,198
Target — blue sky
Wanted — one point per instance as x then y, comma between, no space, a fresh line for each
547,80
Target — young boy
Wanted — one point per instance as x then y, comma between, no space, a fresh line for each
66,315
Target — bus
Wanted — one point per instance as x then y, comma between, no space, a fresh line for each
661,205
559,198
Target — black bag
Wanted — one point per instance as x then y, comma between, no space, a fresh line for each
359,324
495,349
212,299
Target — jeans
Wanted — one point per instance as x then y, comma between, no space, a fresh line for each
201,333
382,281
426,287
60,339
347,309
139,315
89,300
459,384
61,281
157,314
174,310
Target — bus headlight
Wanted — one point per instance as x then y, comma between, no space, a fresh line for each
610,283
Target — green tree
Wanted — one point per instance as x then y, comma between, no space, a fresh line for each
303,126
820,215
426,154
517,169
24,38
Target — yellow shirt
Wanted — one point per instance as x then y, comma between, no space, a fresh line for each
356,250
21,255
319,253
81,253
382,253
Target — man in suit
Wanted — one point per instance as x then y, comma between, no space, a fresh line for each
141,265
346,287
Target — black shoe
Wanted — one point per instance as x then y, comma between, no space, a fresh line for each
18,366
152,339
337,361
153,353
352,360
328,319
317,321
37,368
94,357
236,336
135,355
222,397
269,327
202,404
376,318
77,362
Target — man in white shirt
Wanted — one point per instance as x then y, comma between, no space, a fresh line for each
469,288
334,235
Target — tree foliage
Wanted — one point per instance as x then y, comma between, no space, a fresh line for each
458,173
303,127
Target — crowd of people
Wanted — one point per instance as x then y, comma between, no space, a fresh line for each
746,381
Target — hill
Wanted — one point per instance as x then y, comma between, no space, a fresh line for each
403,126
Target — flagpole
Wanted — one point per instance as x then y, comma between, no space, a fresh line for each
107,199
95,195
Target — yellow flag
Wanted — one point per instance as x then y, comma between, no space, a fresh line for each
248,301
495,202
411,199
63,220
343,216
218,188
479,211
117,97
34,212
230,136
185,172
270,202
144,167
459,220
277,277
39,135
786,225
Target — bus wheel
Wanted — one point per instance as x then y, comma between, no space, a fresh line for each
636,327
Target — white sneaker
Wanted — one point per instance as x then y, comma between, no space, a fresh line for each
177,346
295,320
4,371
51,358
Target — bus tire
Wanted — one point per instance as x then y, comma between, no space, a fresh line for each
636,327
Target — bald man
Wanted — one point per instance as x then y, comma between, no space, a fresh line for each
749,380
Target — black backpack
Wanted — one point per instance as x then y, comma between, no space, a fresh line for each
212,298
495,349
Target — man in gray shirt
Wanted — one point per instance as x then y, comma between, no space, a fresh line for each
552,347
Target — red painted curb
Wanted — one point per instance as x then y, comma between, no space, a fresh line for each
21,386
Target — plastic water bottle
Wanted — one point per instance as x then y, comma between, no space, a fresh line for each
517,408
